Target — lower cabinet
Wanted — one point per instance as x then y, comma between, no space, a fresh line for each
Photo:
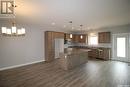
93,53
104,53
100,53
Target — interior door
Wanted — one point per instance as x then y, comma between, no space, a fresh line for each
121,47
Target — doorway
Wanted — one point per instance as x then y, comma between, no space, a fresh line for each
121,47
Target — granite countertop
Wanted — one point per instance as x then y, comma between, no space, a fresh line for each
75,50
87,47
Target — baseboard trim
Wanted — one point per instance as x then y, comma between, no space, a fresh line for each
114,59
20,65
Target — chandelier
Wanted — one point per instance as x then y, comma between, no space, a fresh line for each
8,8
13,31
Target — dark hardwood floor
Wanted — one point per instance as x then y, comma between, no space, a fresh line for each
95,73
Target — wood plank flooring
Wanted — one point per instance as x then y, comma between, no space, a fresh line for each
95,73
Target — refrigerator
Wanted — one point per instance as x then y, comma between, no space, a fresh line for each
59,47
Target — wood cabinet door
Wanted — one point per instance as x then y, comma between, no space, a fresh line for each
105,53
83,39
67,36
49,46
101,37
73,38
104,37
93,53
107,37
59,34
101,54
77,38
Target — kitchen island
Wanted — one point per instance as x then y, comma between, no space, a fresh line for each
73,57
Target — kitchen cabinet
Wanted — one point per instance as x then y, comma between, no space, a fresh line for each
84,38
104,53
49,46
93,53
50,37
67,36
75,38
59,34
100,53
104,37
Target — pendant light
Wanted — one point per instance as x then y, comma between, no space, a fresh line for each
81,36
71,35
14,31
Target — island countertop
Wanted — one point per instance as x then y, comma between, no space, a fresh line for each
69,51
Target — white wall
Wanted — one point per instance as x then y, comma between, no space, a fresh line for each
129,47
21,50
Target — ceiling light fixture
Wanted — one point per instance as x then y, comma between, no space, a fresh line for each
64,26
53,23
71,35
13,31
81,36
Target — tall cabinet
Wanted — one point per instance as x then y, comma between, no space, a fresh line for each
49,46
50,37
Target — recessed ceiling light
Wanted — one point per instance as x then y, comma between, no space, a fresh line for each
64,26
72,27
78,29
88,28
53,23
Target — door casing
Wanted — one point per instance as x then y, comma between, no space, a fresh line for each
114,51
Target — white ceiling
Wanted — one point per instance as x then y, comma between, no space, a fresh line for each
93,14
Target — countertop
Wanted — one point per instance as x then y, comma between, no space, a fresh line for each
87,47
75,50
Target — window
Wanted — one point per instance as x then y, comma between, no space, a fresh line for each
93,40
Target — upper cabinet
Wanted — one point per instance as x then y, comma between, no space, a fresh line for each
104,37
83,38
79,38
59,34
67,36
75,38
